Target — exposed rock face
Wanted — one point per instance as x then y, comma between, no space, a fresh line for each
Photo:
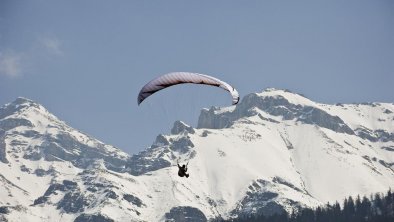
133,200
3,157
208,119
92,218
64,187
146,161
161,140
11,123
4,210
73,202
262,198
180,127
375,135
186,213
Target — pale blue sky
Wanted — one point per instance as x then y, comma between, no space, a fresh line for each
86,60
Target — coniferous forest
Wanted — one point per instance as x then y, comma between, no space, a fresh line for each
376,208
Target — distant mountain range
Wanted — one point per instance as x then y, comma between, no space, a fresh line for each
275,151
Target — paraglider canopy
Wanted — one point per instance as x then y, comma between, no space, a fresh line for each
175,78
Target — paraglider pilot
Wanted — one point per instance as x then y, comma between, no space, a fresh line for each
182,171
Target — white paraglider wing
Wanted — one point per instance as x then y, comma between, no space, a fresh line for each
175,78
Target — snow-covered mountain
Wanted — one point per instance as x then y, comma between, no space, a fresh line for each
274,151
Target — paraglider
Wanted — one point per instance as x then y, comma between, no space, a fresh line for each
175,78
182,170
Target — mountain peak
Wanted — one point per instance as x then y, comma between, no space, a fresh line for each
20,103
180,127
53,139
27,109
22,100
17,106
292,97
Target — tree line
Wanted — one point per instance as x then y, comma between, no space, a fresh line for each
377,208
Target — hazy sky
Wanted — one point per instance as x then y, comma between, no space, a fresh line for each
86,61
